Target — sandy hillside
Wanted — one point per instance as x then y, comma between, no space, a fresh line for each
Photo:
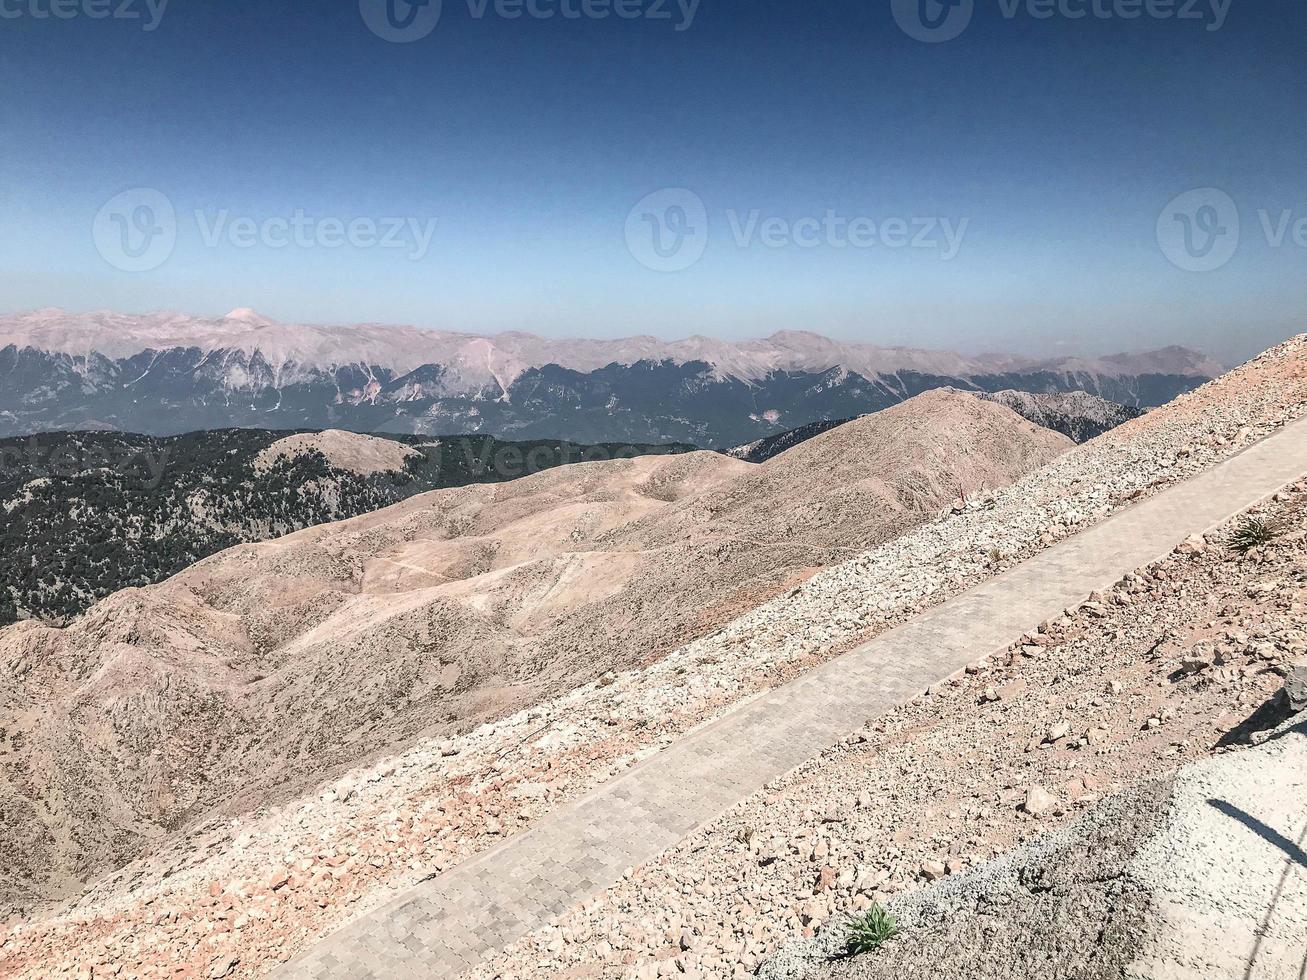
267,667
349,451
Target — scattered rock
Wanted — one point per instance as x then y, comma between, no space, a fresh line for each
1194,662
1039,801
1058,732
1296,687
825,879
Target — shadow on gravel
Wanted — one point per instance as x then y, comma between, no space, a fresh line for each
1269,716
1272,836
1262,830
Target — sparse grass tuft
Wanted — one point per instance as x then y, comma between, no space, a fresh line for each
1254,532
870,932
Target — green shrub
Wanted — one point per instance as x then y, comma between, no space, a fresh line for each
870,932
1254,532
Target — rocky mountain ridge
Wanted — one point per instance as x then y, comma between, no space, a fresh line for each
167,373
1078,415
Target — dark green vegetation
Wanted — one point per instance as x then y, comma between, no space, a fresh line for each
870,931
1254,532
85,514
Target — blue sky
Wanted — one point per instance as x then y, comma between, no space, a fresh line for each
1059,142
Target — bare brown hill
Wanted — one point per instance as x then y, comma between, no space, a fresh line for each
264,669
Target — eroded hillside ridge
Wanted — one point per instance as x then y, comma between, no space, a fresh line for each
1078,415
167,373
285,661
89,513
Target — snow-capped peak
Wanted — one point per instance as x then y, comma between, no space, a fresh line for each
246,315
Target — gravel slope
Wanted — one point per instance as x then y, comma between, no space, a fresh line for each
1194,876
1105,696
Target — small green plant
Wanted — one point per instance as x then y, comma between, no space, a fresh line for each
870,932
1254,532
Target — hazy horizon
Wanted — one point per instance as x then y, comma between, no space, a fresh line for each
977,352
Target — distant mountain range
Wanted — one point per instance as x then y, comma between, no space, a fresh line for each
168,373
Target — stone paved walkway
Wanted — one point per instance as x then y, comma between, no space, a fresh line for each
443,927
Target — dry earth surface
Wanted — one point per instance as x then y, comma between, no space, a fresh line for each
1194,875
268,667
240,895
